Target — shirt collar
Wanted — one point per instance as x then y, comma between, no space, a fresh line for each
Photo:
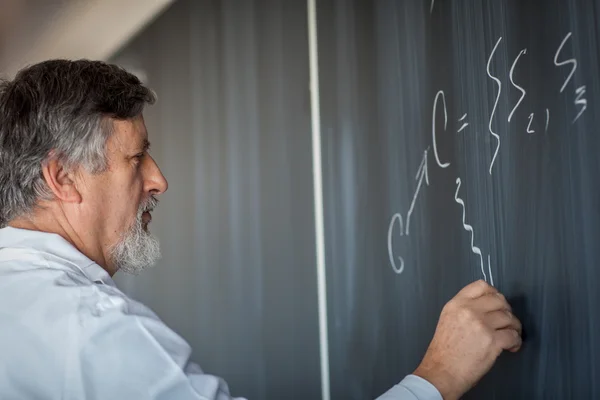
56,245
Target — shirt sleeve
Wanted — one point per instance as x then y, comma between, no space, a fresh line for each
412,388
127,352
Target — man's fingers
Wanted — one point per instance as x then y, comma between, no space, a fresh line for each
477,289
507,339
501,319
491,302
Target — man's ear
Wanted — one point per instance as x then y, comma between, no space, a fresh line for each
61,181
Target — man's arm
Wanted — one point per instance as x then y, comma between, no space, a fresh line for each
412,388
474,328
127,352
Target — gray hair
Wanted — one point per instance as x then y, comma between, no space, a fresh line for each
62,109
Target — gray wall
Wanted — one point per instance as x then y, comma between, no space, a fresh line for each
231,132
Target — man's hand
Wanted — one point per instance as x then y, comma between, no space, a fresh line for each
473,330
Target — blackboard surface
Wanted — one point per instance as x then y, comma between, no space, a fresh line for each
460,142
231,132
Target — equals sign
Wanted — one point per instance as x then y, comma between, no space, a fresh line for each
464,125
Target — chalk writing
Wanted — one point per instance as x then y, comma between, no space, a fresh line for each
569,61
401,224
490,271
495,103
529,130
421,173
579,101
580,91
465,124
397,218
476,250
439,95
512,69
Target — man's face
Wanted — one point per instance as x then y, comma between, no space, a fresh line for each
119,200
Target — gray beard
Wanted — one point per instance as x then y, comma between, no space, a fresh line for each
137,248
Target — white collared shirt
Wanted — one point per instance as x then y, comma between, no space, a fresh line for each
67,332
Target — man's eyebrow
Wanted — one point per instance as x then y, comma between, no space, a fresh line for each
146,145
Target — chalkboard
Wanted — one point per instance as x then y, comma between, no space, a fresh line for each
231,132
460,142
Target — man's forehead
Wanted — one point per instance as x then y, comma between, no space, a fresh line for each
130,134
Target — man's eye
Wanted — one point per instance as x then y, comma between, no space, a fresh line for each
141,155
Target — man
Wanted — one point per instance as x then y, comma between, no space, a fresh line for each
77,187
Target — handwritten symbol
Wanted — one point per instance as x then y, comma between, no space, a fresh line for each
435,102
465,124
469,228
529,130
421,173
495,103
547,118
580,91
524,51
397,218
490,271
580,101
570,61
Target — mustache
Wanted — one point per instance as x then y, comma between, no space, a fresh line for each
149,204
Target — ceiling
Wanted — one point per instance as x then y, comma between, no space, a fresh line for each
21,21
36,30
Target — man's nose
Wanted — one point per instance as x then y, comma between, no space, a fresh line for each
156,182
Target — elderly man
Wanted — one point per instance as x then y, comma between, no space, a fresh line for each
77,187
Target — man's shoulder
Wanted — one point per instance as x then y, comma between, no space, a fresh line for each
30,279
55,319
42,284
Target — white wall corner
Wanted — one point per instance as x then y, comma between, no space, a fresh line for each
93,29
